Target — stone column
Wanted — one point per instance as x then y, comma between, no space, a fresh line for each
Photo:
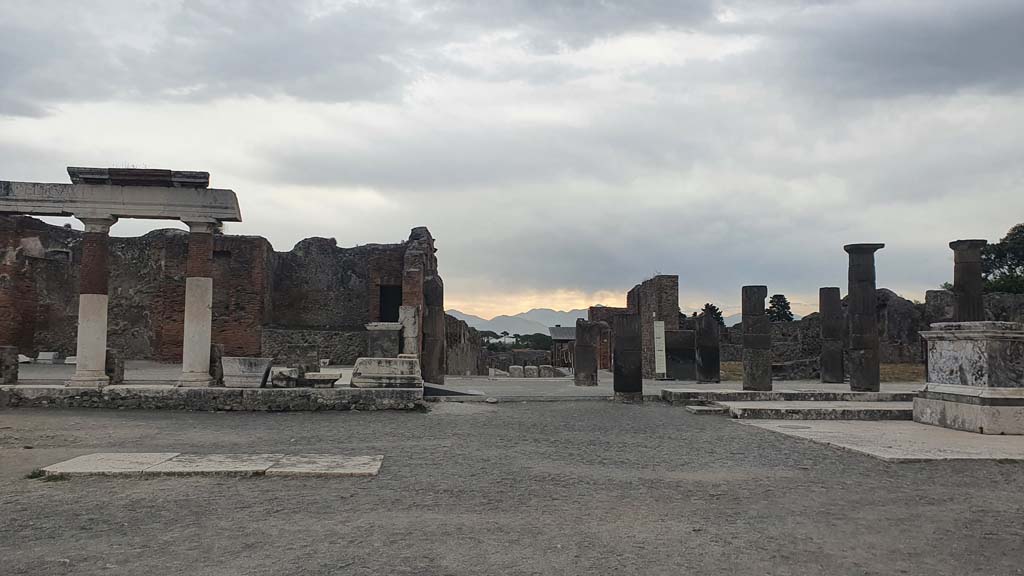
585,363
967,280
862,316
627,363
195,361
757,340
90,369
709,365
432,361
830,311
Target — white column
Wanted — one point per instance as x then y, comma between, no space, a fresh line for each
195,362
92,305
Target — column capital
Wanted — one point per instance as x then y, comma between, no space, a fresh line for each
958,245
863,248
99,224
202,225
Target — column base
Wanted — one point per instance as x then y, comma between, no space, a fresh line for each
629,397
195,380
92,380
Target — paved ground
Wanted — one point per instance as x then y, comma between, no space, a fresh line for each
517,488
901,441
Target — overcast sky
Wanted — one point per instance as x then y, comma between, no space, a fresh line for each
560,152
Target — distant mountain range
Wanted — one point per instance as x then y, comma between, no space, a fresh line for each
536,321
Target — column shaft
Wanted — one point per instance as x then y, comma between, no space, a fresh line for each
90,369
198,336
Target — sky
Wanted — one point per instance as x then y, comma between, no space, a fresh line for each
559,152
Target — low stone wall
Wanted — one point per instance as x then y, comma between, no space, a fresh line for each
289,347
154,397
502,360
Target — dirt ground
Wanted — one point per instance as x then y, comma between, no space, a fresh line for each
588,487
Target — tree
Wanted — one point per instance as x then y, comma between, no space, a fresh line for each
504,333
778,309
536,341
1002,263
710,308
489,334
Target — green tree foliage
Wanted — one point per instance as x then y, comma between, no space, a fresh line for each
534,341
1002,263
778,309
710,308
489,334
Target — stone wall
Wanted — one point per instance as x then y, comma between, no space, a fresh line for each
317,293
654,299
464,350
502,360
605,314
293,346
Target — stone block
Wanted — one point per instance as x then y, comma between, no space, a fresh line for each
71,360
283,377
22,359
216,367
387,373
383,339
244,372
8,365
516,372
531,372
114,367
546,371
49,358
493,372
757,369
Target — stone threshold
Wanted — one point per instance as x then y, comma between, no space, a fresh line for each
177,464
164,397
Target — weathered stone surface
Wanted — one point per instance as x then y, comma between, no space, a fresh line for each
968,283
796,370
434,339
284,377
585,353
464,349
862,317
494,372
241,372
114,367
548,371
757,345
709,366
387,373
531,371
987,354
384,339
216,464
681,354
49,358
409,318
8,365
154,397
108,464
516,371
216,367
655,299
326,465
628,361
830,307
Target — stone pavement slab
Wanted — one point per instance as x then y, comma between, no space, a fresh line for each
807,410
215,464
326,465
109,464
900,441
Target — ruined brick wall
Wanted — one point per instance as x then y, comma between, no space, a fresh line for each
654,299
607,344
314,289
464,349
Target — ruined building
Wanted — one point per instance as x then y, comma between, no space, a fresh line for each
312,301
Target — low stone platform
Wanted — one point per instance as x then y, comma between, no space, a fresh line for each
900,441
820,410
162,397
691,396
177,464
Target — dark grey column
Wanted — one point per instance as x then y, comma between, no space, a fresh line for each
967,280
588,339
681,354
757,340
830,312
709,365
432,361
627,364
862,316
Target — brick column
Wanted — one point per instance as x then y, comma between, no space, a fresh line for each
92,306
195,361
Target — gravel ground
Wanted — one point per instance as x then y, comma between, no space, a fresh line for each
540,488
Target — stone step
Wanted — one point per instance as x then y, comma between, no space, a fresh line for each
693,396
802,410
706,410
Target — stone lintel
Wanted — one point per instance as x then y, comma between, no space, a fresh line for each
109,201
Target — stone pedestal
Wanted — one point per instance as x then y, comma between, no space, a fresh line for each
709,365
830,309
681,354
862,313
90,369
383,340
975,377
401,372
8,365
968,283
243,372
757,340
198,335
585,361
627,363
